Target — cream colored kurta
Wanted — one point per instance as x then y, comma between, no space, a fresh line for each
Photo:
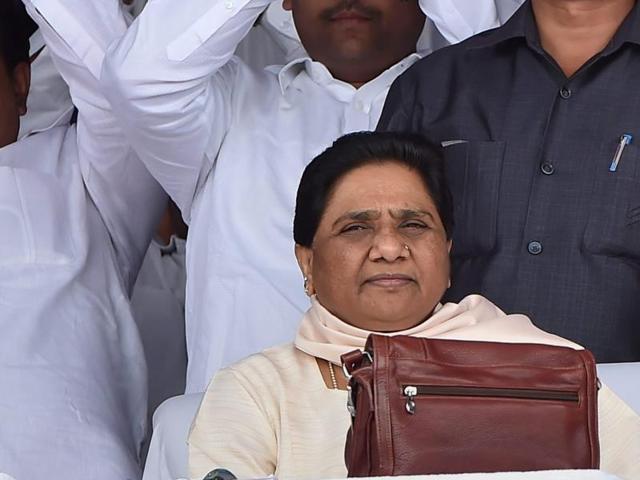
272,414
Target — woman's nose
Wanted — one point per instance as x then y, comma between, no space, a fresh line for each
388,246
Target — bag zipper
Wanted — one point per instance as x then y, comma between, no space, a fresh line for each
412,391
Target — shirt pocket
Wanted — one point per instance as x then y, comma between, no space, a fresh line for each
34,219
613,225
474,171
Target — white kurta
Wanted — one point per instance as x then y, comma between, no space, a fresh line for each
229,144
76,215
158,296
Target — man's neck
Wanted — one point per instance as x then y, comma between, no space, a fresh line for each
573,31
355,76
358,77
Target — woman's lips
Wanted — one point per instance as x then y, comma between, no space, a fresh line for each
350,16
390,280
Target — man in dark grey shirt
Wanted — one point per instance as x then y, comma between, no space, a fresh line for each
533,117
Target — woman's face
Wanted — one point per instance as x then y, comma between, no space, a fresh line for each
380,257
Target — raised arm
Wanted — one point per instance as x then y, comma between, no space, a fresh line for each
77,33
171,80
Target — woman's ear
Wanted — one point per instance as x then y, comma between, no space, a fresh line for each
304,255
21,79
286,4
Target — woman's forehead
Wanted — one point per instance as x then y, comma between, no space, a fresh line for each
383,187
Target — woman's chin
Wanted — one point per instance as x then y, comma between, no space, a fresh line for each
392,314
392,296
392,324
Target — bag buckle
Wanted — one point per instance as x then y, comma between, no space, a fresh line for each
353,360
350,362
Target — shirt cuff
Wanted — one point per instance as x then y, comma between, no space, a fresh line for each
220,12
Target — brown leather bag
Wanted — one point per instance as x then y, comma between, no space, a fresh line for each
426,406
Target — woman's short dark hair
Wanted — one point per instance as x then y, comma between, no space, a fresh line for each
15,29
363,148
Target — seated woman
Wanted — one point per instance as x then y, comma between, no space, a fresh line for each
372,229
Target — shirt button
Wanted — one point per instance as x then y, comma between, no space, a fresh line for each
534,248
547,168
565,92
228,5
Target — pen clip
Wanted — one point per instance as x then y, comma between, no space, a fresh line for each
625,139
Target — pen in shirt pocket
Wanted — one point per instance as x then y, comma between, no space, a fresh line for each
625,139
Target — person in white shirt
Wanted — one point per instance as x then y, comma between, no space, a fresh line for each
157,299
229,143
77,210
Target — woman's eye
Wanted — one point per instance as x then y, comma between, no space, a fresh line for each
354,227
414,225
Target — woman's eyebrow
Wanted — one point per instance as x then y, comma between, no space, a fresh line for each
406,213
358,215
398,214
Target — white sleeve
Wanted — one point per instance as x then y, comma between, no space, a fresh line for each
458,20
77,33
171,79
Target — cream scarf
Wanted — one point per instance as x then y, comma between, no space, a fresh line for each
323,335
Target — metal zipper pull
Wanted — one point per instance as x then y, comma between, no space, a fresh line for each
410,392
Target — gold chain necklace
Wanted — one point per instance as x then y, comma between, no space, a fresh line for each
334,382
